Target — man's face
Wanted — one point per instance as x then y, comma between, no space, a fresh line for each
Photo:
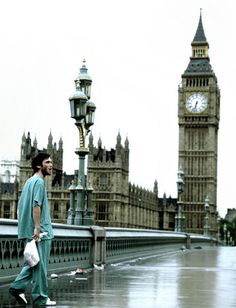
46,167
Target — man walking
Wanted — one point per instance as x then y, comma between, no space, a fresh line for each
34,219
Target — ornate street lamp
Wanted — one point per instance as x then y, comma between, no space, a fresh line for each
82,110
179,218
206,220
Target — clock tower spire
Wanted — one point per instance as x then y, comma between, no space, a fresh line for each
198,119
200,38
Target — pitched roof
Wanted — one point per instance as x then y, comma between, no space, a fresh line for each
199,35
199,66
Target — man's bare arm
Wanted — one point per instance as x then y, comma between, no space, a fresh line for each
36,218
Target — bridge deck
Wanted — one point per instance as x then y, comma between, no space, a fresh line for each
195,278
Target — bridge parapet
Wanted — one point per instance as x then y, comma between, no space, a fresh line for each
125,244
84,246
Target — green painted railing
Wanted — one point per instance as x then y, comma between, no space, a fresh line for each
81,246
126,244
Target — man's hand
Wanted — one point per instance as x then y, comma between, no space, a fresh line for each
36,233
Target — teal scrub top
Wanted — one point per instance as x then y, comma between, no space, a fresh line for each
33,194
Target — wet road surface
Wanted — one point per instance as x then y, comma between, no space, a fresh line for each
199,278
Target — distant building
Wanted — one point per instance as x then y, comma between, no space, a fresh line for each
57,184
9,178
231,215
116,201
9,171
167,212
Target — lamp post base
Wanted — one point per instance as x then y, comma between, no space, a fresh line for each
71,217
88,218
78,218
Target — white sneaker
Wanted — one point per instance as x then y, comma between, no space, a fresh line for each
50,303
22,296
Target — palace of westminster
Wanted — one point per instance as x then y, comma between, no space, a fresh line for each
115,201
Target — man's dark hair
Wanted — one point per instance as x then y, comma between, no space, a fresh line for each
38,159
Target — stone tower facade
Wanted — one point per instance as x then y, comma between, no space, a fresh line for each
57,184
108,172
116,202
30,149
198,118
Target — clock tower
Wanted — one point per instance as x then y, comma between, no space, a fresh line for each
198,119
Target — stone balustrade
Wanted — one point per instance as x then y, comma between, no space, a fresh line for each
83,246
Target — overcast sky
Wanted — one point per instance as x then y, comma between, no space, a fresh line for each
135,52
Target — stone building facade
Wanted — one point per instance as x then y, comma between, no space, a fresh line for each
231,215
9,179
108,173
9,171
57,184
116,201
58,194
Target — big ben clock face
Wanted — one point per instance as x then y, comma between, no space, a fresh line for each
196,103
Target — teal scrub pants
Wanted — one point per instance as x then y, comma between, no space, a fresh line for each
36,275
